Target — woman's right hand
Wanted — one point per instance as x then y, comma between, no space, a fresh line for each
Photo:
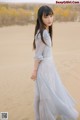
34,75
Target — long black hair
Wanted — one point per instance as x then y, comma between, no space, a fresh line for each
46,10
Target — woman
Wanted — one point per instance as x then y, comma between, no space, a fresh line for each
51,97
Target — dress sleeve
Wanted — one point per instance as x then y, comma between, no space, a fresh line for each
40,45
39,50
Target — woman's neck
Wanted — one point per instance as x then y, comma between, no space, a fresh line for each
47,28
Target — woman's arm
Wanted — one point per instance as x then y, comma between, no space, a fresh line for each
38,57
34,73
36,64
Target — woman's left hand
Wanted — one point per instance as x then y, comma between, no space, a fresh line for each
34,75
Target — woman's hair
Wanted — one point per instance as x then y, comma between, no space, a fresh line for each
43,10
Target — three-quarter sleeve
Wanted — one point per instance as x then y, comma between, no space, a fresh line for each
39,50
40,45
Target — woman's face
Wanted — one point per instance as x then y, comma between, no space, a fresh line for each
47,20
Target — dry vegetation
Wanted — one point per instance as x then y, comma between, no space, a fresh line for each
23,14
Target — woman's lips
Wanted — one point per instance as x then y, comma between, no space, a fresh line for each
49,23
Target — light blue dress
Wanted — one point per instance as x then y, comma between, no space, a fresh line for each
51,98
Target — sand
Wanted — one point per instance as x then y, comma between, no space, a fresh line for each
16,64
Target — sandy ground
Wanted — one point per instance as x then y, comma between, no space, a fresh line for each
16,64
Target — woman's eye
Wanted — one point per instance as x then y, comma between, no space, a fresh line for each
45,16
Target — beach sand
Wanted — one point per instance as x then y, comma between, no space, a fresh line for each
16,65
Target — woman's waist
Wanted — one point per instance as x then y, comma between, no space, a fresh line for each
47,58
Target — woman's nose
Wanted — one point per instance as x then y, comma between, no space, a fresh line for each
49,19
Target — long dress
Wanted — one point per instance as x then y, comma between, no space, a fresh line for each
51,98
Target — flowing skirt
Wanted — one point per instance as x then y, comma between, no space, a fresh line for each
51,98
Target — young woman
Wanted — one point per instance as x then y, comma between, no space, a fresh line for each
51,97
